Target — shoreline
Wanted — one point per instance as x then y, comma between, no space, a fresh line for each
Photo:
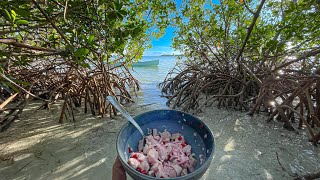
36,146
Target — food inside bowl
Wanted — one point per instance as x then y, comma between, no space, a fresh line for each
163,156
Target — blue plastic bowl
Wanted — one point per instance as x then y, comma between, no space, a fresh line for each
196,133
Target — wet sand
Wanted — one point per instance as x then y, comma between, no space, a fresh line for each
37,147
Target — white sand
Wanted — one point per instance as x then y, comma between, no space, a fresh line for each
37,147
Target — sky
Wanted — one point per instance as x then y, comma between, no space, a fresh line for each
163,45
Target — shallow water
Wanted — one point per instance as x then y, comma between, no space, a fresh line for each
150,77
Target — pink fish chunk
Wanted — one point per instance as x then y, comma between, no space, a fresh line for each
144,165
133,163
153,156
164,155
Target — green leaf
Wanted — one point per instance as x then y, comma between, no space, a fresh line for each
114,5
21,82
123,12
22,22
7,15
13,15
118,5
51,38
23,12
81,51
86,51
11,86
84,64
91,38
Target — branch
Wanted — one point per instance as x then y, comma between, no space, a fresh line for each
199,52
65,10
301,117
13,42
7,101
52,23
265,56
6,78
300,57
205,43
8,53
245,4
255,17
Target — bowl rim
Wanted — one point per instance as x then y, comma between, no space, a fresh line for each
197,171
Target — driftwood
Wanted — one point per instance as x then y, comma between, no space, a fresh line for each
13,114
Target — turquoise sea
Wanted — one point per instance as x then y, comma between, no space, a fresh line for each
150,77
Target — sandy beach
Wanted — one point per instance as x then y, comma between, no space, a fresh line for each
37,147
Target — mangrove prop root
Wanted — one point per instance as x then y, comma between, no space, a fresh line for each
61,79
286,97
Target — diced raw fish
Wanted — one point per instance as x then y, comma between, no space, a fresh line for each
192,161
151,173
166,139
184,166
156,137
146,149
170,171
144,165
152,156
152,141
190,168
174,161
187,149
175,135
180,139
149,138
184,172
139,156
169,148
177,168
163,155
183,159
155,167
133,163
161,172
166,134
154,132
